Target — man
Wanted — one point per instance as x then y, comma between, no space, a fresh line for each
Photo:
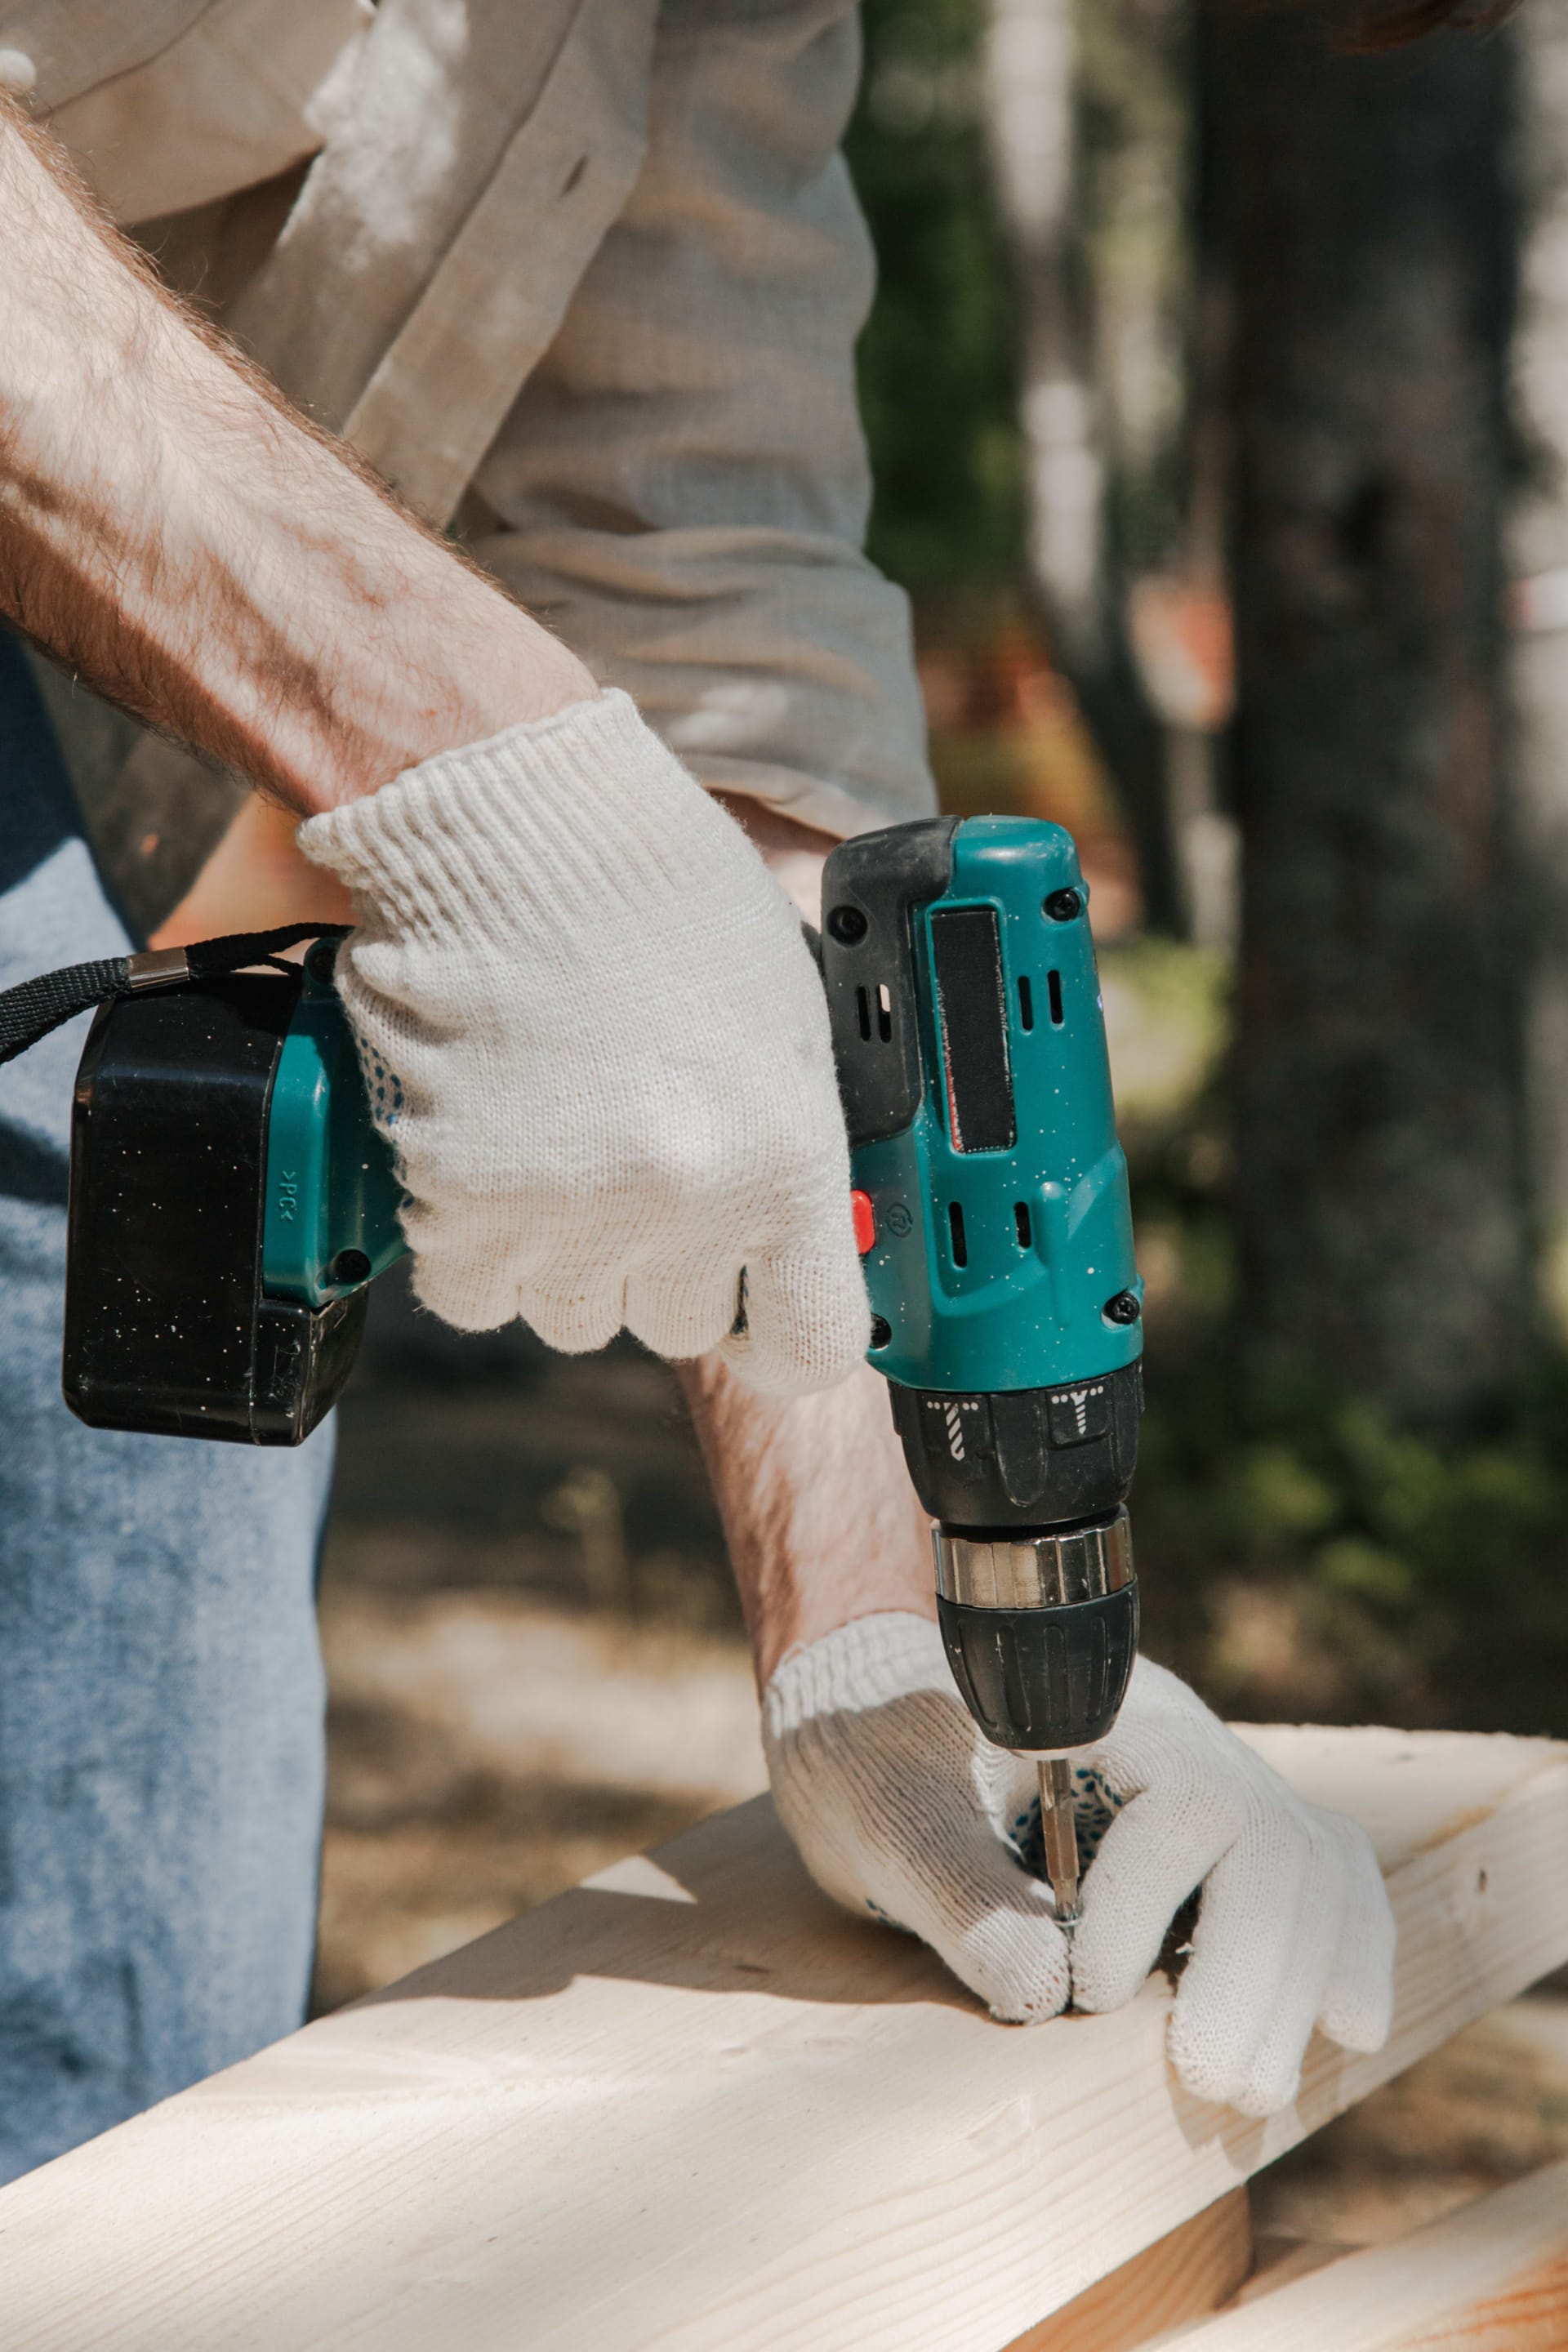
595,271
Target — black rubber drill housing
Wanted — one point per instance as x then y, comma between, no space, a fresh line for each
1019,1465
1027,1458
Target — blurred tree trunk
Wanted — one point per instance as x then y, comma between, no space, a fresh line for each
1381,1158
1538,560
1031,77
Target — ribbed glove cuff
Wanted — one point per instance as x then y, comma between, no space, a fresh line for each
441,843
862,1665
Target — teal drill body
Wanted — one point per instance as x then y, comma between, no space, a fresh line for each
991,1268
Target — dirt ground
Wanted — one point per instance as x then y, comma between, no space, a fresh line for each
535,1654
537,1666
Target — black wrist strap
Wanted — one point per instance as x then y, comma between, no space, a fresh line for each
33,1007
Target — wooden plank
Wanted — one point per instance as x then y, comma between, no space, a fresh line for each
1492,2277
692,2107
1182,2276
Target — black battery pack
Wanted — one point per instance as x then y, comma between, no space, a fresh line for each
167,1329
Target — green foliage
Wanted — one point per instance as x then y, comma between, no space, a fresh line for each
938,386
1167,1019
1301,1555
1275,1498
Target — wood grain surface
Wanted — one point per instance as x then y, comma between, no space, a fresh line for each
1182,2276
1490,2278
692,2107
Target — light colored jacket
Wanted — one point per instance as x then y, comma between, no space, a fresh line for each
590,270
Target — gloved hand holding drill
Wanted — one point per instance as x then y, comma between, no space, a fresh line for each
617,1081
594,1034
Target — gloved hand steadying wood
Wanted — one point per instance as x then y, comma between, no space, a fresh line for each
597,1039
899,1806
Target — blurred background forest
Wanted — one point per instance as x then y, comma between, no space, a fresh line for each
1188,314
1217,395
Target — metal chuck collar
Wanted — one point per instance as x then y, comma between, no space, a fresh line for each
1041,1629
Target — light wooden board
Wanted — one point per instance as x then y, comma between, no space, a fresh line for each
1490,2278
692,2107
1183,2277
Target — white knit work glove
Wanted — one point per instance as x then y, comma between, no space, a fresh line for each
597,1041
899,1805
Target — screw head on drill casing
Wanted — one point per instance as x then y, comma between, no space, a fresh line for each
849,926
1062,906
1125,1307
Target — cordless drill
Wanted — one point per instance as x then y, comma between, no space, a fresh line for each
995,1230
231,1199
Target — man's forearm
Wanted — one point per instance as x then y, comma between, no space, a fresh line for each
172,531
822,1523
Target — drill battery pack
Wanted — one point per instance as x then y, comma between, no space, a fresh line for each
230,1200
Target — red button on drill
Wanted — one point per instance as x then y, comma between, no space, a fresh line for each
865,1222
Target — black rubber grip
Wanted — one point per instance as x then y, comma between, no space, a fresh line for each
1044,1677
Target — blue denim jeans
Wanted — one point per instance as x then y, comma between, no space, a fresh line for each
160,1688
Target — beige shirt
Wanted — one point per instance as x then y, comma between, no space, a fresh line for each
590,270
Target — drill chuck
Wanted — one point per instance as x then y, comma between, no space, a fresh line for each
1040,1628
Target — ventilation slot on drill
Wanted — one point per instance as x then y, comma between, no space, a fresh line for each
1026,1005
1021,1219
1053,984
956,1226
884,1014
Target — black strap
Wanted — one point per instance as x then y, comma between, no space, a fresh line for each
31,1009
